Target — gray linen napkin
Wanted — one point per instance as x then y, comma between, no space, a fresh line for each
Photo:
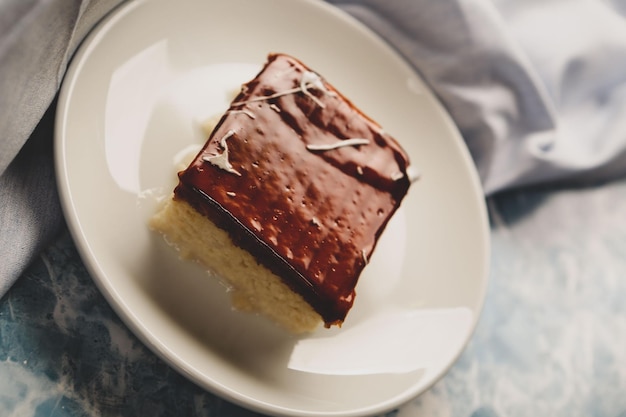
37,40
538,90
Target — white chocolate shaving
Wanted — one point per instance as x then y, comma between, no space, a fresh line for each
413,174
364,253
313,80
246,112
338,144
275,108
221,161
271,96
308,80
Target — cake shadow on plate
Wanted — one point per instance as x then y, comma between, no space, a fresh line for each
199,303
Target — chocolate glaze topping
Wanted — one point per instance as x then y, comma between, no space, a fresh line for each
312,216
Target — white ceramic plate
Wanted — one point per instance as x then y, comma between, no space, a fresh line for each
134,97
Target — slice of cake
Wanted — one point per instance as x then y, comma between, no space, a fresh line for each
288,197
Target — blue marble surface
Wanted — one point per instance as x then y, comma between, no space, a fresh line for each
551,340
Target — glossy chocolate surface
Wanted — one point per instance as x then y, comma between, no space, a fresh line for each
311,216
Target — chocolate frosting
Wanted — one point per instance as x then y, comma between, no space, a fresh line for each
313,217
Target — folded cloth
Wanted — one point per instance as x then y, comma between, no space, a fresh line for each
29,206
37,40
537,89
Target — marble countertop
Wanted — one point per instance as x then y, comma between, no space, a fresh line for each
551,339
